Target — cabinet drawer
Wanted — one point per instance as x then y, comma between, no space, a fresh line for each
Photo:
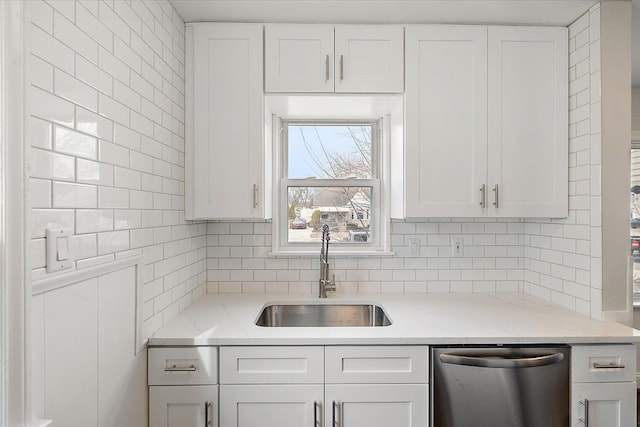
603,363
377,364
271,365
183,365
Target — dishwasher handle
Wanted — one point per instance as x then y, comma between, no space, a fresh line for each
499,361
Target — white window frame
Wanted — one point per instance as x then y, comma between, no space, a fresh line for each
379,183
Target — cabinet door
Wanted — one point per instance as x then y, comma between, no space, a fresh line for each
271,405
528,124
446,117
183,406
225,121
299,58
369,58
603,404
398,405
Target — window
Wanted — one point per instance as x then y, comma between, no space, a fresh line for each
330,173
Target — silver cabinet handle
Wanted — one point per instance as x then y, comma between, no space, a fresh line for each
483,196
208,406
176,368
255,196
496,361
315,414
326,65
585,420
496,199
341,67
612,365
334,410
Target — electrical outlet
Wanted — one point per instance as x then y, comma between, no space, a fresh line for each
414,246
457,247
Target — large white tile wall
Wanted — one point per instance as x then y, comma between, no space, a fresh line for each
107,143
238,260
563,258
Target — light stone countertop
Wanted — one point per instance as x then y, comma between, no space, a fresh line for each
417,319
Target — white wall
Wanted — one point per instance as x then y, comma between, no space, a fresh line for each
563,258
107,161
84,365
107,137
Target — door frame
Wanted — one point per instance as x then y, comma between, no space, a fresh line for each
14,295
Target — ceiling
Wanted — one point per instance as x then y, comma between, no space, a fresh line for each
515,12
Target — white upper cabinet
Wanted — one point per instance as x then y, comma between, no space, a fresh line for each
486,122
359,59
446,116
225,152
369,58
528,121
299,58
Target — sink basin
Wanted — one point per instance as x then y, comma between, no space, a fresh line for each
322,315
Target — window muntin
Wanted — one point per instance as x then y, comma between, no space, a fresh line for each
330,174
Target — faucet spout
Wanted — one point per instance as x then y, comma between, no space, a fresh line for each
324,283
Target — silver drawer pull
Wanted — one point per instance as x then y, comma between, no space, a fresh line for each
483,196
585,420
610,365
176,368
208,419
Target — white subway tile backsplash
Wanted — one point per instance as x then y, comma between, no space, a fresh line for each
50,218
93,220
111,197
41,73
113,110
74,90
113,241
127,178
47,106
41,15
90,172
73,37
50,50
40,193
74,143
113,154
69,195
49,165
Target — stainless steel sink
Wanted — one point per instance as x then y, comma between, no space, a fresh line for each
322,315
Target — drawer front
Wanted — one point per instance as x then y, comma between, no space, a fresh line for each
183,365
603,363
271,365
377,364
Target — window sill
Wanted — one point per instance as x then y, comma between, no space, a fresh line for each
332,254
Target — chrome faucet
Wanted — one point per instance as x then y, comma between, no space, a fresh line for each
325,283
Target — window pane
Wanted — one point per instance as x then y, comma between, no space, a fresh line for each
635,218
346,210
329,151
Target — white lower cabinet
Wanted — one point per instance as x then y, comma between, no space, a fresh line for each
290,405
183,406
603,404
376,405
333,386
603,389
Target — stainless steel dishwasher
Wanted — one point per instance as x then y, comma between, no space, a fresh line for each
500,386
